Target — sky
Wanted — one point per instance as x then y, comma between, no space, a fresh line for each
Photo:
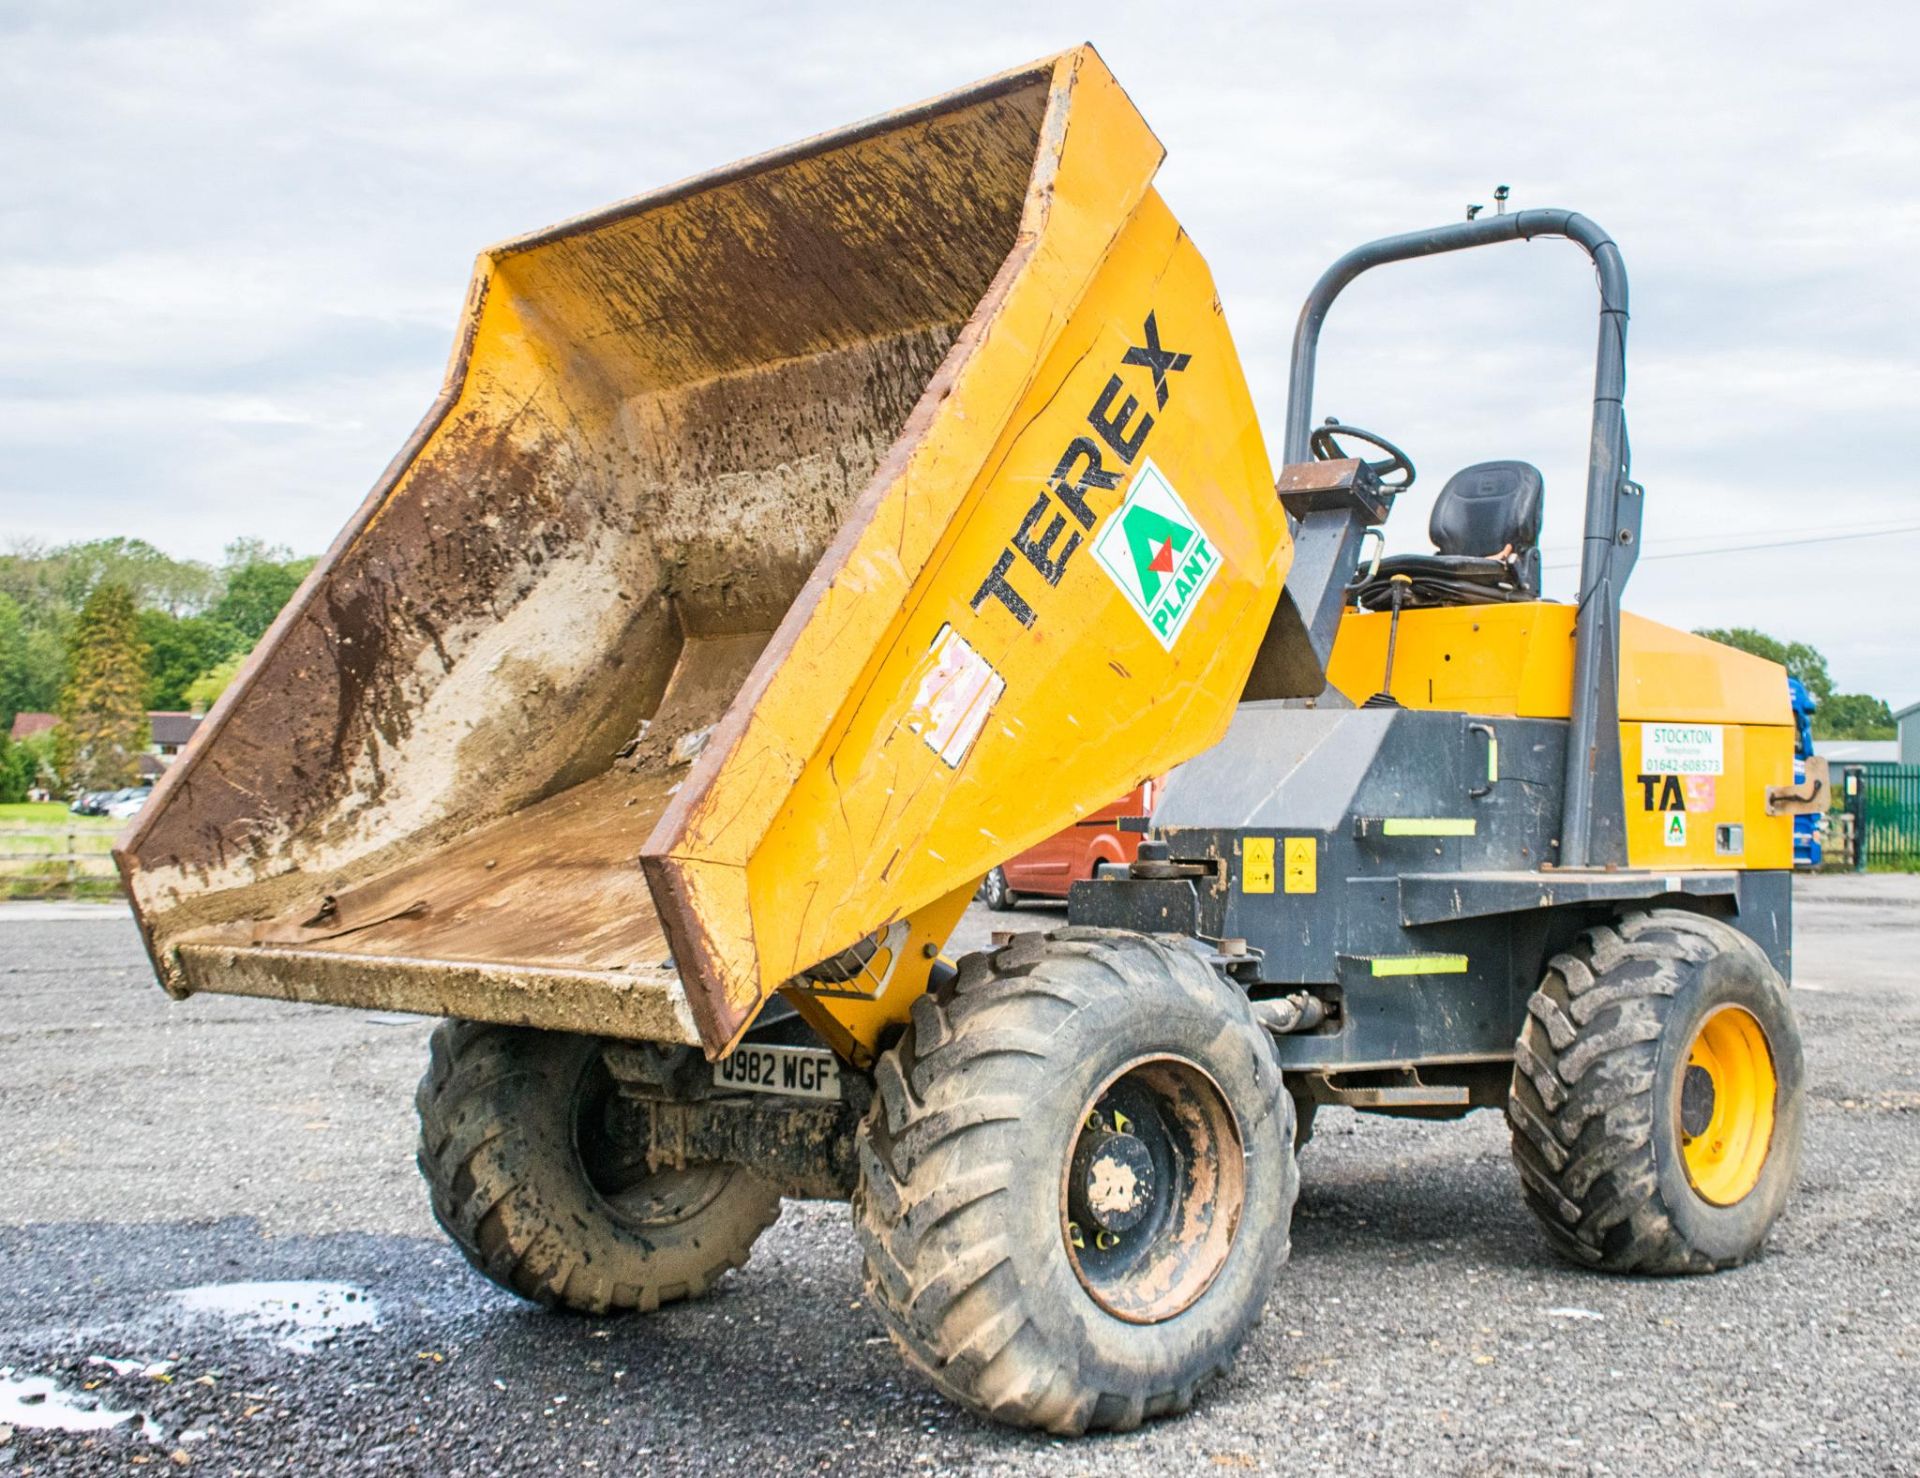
235,238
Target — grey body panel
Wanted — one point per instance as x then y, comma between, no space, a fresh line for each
1431,919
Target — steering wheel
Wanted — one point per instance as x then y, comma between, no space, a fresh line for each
1327,449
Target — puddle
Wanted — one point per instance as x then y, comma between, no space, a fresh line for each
296,1316
151,1369
38,1401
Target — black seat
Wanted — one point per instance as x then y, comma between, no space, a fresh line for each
1486,536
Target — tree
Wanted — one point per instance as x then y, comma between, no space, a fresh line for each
103,713
1854,716
192,617
35,757
15,678
13,771
33,654
204,691
254,595
1803,661
23,765
180,649
242,552
67,574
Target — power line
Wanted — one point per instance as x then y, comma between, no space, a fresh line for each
1816,530
1911,528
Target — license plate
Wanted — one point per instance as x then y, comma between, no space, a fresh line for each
793,1072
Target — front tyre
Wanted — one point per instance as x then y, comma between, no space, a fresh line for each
1658,1091
539,1199
1076,1180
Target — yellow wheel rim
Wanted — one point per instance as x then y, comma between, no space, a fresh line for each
1724,1105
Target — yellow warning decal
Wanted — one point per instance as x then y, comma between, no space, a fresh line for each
1256,865
1303,865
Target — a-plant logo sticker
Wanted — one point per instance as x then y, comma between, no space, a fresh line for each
1156,552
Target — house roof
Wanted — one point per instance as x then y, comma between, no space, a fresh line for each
26,725
169,726
173,728
1900,713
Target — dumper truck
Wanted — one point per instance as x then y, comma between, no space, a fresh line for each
791,546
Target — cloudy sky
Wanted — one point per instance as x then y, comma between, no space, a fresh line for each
234,240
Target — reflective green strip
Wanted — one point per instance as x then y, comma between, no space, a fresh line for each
1419,964
1493,760
1427,826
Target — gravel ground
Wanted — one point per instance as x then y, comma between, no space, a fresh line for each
1422,1327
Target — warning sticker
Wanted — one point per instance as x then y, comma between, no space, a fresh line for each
1155,551
1675,828
1681,749
957,691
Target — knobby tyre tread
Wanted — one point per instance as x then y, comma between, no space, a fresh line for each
1594,1138
506,1182
949,1143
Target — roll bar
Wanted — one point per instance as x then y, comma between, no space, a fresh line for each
1593,824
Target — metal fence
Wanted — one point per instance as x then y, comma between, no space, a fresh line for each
1884,801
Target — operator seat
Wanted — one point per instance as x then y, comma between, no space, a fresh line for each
1485,529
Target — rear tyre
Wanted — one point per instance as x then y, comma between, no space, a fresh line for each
995,893
1076,1180
533,1192
1657,1096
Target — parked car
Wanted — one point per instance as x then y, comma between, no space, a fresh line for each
1049,868
101,802
126,804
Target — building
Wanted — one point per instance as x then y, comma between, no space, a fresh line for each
170,733
1908,720
1857,751
26,725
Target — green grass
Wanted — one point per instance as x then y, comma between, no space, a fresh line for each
50,813
47,880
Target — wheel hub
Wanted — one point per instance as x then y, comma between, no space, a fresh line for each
1696,1101
1152,1189
1725,1105
1112,1183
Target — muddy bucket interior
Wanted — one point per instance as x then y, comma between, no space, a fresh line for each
454,749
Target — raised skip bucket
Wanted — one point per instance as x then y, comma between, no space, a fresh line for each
785,549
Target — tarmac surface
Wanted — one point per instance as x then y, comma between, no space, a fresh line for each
215,1255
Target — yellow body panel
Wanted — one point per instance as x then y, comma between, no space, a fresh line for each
851,1017
840,826
1517,659
1674,820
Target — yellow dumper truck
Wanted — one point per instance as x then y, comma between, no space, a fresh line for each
789,547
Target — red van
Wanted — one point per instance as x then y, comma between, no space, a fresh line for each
1047,869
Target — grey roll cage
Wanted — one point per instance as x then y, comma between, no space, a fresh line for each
1593,821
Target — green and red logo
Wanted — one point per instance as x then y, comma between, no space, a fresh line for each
1155,551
